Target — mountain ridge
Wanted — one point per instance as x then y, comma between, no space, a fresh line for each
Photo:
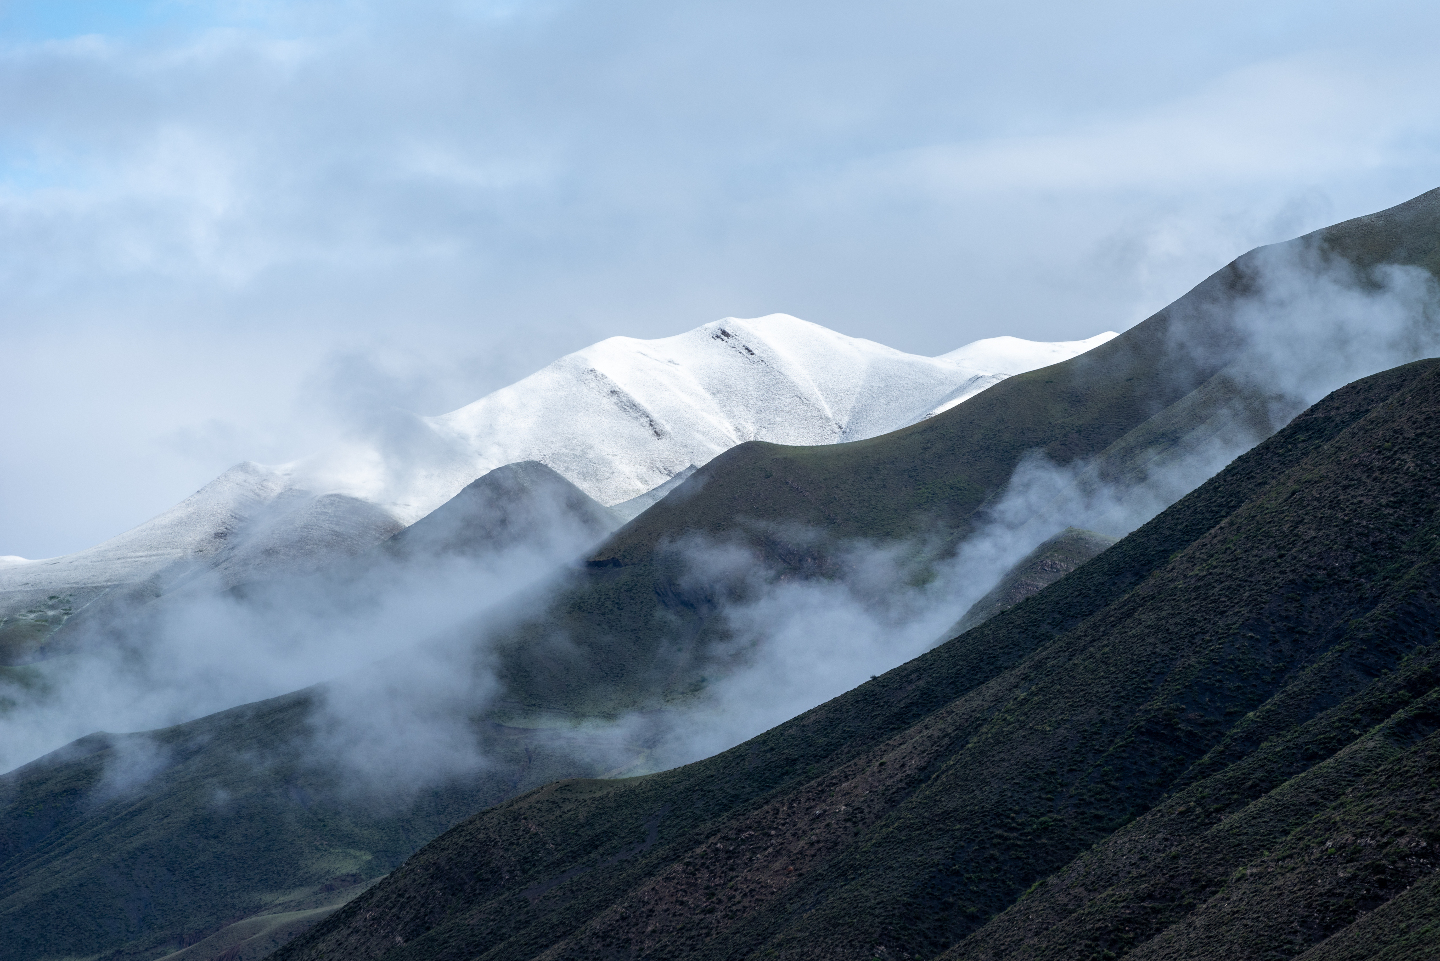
662,404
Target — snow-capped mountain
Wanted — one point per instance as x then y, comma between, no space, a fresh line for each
617,419
625,415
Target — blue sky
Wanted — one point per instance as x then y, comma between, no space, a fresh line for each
220,222
39,20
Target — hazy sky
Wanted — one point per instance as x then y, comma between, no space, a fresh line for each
228,229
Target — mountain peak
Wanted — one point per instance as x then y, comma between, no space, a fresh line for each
616,419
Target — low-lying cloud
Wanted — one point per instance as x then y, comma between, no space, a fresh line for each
206,646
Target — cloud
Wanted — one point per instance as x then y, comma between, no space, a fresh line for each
1270,121
1317,322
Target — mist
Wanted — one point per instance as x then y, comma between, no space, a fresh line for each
139,662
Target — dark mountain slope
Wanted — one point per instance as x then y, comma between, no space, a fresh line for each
1253,672
137,845
1403,234
635,621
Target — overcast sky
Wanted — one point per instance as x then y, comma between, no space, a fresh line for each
226,228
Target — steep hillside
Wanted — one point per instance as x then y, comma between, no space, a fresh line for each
243,526
136,845
80,842
1218,739
511,505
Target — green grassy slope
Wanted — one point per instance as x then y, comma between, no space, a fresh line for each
1217,739
23,634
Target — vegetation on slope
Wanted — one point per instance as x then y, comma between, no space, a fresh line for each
1218,739
137,845
23,634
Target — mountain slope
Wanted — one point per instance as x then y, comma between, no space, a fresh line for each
1154,410
506,507
135,845
245,525
1251,677
665,404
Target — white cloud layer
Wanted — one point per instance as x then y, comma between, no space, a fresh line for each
204,204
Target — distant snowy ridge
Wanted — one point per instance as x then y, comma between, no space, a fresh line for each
617,419
625,415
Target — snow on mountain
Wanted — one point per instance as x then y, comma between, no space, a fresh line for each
625,415
195,527
617,419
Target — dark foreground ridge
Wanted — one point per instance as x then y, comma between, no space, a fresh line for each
1218,739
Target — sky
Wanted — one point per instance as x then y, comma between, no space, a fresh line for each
232,230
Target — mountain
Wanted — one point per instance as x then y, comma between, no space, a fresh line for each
616,419
1133,423
517,504
664,405
243,525
635,634
1218,739
134,846
267,771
